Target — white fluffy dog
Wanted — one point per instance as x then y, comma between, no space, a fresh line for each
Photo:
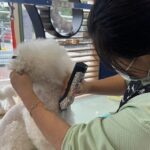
48,66
7,94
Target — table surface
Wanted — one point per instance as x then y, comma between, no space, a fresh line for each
86,108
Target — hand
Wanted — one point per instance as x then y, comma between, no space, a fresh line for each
21,83
83,88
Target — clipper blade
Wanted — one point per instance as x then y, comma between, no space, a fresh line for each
76,78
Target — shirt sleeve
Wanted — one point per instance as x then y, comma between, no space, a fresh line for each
121,131
89,136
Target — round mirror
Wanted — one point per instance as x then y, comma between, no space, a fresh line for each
65,20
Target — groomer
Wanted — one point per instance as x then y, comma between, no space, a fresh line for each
120,30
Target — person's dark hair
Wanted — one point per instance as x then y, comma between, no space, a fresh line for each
120,28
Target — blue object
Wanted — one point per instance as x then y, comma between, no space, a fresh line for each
82,6
105,72
48,3
107,115
35,2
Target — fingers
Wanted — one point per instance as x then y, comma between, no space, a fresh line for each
12,74
16,77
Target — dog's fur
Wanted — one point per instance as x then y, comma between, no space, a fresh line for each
7,94
48,65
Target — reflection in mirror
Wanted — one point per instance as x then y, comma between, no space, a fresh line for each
61,18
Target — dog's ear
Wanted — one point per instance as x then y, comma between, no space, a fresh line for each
10,66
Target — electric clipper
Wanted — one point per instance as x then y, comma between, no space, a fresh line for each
76,78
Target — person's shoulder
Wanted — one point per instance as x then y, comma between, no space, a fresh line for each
140,99
140,103
86,136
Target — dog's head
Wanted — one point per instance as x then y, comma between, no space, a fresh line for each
48,65
42,59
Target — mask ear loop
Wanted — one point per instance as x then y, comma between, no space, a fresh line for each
130,65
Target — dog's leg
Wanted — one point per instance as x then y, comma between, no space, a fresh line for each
14,114
13,133
35,134
7,93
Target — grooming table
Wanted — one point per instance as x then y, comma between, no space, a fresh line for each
86,108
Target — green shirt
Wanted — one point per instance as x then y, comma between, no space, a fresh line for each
129,129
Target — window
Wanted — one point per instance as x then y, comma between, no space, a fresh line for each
80,49
79,46
6,49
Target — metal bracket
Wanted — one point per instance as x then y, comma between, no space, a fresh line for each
36,21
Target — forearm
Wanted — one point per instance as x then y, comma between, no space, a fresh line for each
52,127
115,85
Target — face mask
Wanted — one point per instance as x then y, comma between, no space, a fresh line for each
126,77
129,78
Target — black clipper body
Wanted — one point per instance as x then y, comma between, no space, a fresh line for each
76,78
